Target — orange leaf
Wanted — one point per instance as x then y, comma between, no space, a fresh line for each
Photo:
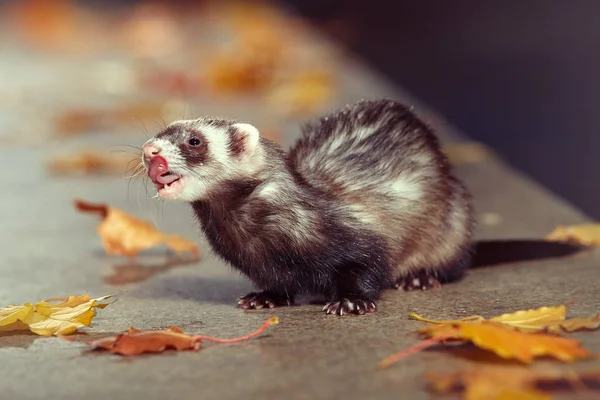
509,343
583,234
496,383
135,342
125,235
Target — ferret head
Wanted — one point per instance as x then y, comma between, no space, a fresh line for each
190,158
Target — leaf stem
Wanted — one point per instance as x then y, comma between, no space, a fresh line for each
407,352
432,321
270,321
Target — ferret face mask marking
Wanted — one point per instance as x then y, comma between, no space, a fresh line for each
189,158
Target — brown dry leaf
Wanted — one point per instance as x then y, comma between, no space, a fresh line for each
496,383
507,342
583,234
89,162
465,153
136,342
125,235
543,319
46,319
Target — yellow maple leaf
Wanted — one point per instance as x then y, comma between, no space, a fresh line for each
507,342
46,319
508,382
582,234
543,319
123,234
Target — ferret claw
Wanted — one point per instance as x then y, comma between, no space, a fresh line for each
346,306
263,300
422,281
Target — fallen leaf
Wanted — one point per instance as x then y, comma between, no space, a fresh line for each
47,319
591,322
136,342
543,319
496,383
465,153
507,342
499,338
583,234
125,235
89,162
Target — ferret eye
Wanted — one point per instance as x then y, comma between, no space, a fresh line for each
194,142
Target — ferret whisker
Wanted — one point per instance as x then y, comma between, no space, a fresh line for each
135,174
160,128
139,164
145,131
128,145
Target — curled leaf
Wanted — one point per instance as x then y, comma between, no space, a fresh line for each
533,320
46,319
125,235
136,342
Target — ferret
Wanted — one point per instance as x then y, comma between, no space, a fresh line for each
364,201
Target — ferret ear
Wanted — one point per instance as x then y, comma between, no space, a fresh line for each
244,140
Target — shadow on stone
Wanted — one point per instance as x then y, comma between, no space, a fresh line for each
470,352
18,339
493,252
135,271
202,290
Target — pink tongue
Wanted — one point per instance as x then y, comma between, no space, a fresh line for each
165,180
158,166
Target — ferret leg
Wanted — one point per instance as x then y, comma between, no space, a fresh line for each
357,288
420,280
431,278
257,300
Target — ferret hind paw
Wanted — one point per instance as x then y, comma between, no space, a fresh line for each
346,306
258,300
422,280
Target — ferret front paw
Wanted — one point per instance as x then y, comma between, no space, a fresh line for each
350,307
423,280
259,300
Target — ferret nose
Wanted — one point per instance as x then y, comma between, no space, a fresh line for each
151,150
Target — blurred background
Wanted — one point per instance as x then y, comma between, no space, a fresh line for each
521,77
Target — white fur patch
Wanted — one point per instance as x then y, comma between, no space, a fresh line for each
250,137
406,189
